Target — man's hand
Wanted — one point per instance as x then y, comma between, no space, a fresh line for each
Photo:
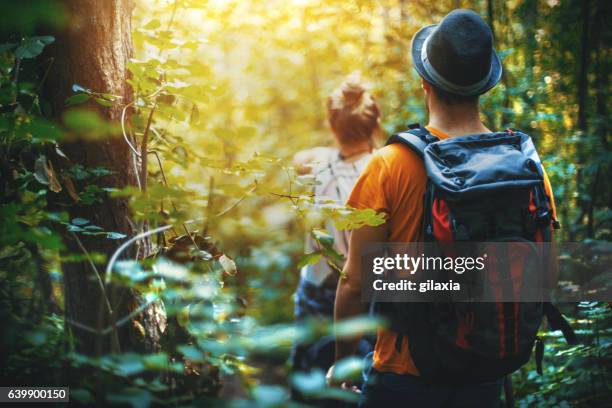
345,385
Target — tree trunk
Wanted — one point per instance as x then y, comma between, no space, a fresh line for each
583,84
502,17
531,45
93,52
602,75
602,79
601,107
584,66
490,17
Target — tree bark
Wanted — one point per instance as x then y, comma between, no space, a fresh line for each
602,79
582,93
531,45
490,17
602,73
93,52
601,107
584,66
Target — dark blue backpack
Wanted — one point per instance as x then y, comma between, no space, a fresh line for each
481,188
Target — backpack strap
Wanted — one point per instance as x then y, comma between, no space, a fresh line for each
558,322
509,394
416,138
528,148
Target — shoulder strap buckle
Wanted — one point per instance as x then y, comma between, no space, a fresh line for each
416,137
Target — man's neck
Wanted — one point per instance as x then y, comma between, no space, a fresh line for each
456,120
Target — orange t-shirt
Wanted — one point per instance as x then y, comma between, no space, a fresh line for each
394,182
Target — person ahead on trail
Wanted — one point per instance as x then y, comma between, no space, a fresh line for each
354,119
457,63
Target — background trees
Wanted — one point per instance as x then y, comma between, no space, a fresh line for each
92,53
218,96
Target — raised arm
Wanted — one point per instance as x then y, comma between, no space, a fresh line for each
304,159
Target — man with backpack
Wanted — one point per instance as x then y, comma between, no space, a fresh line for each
451,180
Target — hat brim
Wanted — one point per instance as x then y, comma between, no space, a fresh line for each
417,44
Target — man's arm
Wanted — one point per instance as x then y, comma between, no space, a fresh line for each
348,294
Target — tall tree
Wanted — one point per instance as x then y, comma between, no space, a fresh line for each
93,52
586,205
585,50
600,37
530,13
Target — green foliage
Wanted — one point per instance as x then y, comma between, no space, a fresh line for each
40,343
576,375
88,124
223,106
32,47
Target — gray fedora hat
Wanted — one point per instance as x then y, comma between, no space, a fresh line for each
457,55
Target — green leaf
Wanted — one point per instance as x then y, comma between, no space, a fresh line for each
10,251
32,47
100,171
104,102
331,253
348,369
132,271
80,221
358,218
271,395
309,383
40,129
108,96
158,361
172,270
191,352
134,397
77,99
45,39
74,228
309,259
358,325
129,364
153,24
87,123
82,395
7,47
322,237
37,337
82,119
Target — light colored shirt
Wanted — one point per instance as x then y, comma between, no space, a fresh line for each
335,179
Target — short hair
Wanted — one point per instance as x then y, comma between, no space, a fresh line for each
353,113
454,99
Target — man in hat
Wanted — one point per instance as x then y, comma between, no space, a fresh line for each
457,63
